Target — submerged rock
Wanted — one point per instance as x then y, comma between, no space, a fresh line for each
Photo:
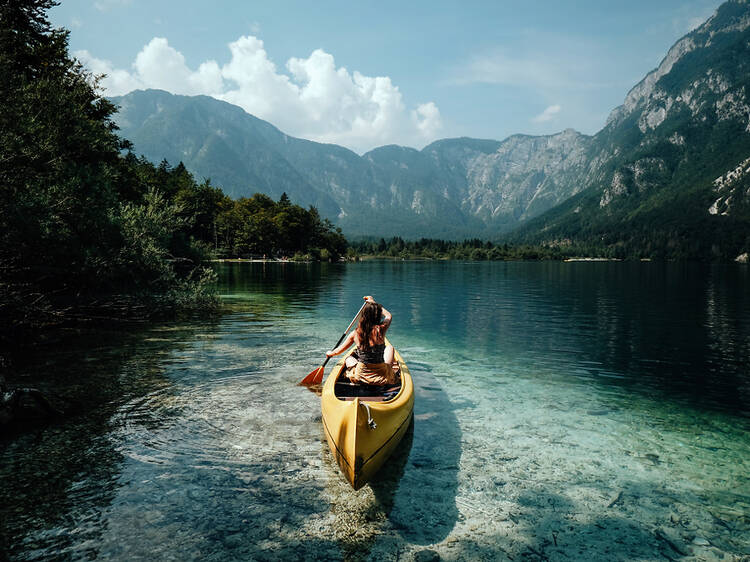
700,541
652,457
426,555
672,539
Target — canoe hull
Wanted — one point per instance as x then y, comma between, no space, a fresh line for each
361,447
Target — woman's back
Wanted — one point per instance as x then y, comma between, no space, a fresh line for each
373,354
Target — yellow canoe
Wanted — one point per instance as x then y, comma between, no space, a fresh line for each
363,424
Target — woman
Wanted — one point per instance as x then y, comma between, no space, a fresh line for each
374,358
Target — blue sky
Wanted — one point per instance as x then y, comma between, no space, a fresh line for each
364,75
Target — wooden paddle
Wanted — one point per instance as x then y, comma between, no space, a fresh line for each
316,375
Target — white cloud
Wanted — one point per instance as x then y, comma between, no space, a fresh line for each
540,71
312,98
160,66
427,118
548,114
116,82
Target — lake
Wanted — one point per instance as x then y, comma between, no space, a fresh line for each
564,411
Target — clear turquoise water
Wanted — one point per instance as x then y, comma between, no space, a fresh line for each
564,412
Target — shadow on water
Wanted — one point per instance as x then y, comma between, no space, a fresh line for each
386,481
425,511
544,524
425,508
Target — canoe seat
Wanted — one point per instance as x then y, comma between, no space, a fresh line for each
365,392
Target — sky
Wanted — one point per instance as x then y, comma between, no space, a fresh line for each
364,75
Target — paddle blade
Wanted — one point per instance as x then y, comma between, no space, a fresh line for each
315,377
319,375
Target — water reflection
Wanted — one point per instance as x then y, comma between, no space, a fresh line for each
300,284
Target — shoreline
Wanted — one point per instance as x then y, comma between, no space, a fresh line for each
425,259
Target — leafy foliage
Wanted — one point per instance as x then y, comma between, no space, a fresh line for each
86,229
259,226
472,250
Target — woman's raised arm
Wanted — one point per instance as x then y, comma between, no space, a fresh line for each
387,317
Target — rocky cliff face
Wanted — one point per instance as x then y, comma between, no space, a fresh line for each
525,176
701,83
655,99
732,190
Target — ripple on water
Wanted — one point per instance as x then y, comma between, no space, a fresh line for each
212,422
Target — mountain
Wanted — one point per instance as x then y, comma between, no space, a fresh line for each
647,184
451,189
504,183
668,173
219,141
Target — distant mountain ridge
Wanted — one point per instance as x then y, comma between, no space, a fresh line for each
453,187
646,179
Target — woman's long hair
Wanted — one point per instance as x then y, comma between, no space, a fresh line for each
371,314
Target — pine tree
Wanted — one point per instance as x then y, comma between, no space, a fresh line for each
68,200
